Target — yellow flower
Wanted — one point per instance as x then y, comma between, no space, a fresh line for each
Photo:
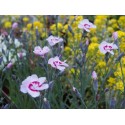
67,49
112,21
43,35
102,17
7,24
71,18
98,22
117,73
93,30
25,19
123,60
37,24
78,36
122,18
99,54
110,29
65,28
59,26
79,18
102,64
75,24
94,39
111,81
92,47
119,86
121,21
72,70
121,34
115,26
29,25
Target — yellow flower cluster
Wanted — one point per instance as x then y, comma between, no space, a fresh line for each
121,21
7,24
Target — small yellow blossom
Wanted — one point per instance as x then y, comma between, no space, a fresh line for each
29,25
121,34
25,19
119,86
54,27
7,24
102,64
37,24
94,39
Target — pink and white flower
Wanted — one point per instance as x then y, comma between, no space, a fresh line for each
57,64
86,25
107,47
94,75
54,40
21,54
33,85
41,51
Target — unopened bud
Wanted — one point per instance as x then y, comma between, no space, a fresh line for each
87,42
9,65
46,104
115,35
73,88
94,75
44,99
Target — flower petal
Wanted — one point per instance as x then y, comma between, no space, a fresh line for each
42,80
23,89
43,87
33,93
61,68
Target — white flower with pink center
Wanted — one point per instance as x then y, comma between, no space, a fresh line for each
41,51
107,47
54,40
57,64
86,25
94,75
33,85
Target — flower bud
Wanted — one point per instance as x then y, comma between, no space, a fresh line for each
94,75
115,35
46,104
9,65
15,25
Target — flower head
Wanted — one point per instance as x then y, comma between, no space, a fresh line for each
53,40
86,25
94,75
21,54
41,51
107,47
57,64
32,85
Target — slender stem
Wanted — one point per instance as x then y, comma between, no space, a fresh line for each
83,103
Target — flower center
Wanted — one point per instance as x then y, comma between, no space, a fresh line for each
56,63
34,85
87,26
108,48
